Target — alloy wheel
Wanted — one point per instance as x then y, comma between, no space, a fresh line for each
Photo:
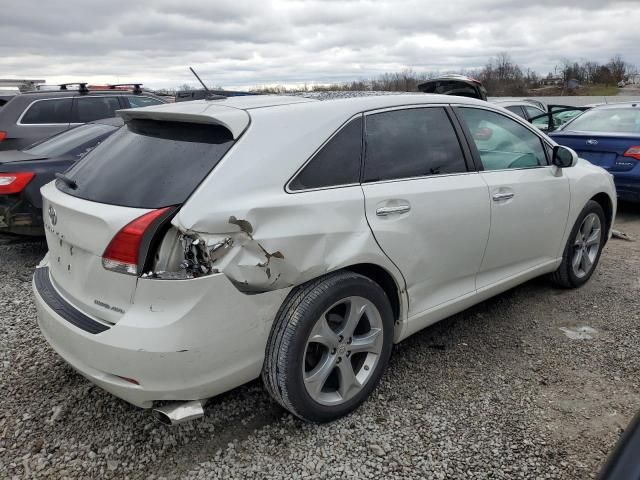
586,245
342,351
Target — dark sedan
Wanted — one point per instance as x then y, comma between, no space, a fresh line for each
23,172
609,136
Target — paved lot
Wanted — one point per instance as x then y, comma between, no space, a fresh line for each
498,391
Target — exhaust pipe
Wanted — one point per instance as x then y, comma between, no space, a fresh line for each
179,412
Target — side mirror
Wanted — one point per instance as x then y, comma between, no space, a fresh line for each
564,157
483,134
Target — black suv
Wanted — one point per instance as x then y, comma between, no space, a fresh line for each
30,117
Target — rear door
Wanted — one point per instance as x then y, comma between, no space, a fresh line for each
428,209
87,109
529,198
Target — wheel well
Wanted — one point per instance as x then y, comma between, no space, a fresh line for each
606,204
382,278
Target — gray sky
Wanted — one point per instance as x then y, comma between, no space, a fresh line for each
243,43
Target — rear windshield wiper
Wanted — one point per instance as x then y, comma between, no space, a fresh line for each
68,181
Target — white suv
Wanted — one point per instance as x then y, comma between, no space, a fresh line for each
209,242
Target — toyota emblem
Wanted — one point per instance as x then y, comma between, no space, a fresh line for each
52,215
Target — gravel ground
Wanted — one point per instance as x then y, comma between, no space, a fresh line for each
498,391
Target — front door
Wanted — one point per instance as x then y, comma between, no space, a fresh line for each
428,211
529,197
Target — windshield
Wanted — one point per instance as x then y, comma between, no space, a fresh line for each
71,142
149,163
614,120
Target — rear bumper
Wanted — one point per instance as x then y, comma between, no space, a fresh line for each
628,186
180,340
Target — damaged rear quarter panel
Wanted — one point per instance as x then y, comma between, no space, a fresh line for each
280,239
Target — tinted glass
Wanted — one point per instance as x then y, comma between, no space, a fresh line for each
411,143
622,120
89,109
48,111
135,102
502,142
516,109
149,164
337,163
76,142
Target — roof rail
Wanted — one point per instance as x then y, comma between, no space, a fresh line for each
82,86
136,86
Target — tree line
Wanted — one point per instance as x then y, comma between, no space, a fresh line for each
501,76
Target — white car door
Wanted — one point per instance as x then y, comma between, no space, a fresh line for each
529,197
428,210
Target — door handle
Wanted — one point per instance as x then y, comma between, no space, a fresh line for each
384,211
502,196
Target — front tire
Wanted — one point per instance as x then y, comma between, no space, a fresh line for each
329,345
584,246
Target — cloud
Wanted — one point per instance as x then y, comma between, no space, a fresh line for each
251,42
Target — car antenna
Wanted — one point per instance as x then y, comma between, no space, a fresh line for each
210,96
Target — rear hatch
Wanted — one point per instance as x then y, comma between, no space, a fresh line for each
459,85
603,149
95,214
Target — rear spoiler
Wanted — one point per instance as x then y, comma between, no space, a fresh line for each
233,119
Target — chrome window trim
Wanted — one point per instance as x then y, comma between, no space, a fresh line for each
24,112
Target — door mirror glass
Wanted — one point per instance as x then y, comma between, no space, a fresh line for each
564,157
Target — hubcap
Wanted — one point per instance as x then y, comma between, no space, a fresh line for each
586,245
342,351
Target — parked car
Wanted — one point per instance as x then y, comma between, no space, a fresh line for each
207,243
452,84
30,117
609,136
546,118
527,109
23,172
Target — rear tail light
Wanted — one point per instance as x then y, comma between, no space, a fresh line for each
122,255
633,152
14,182
3,135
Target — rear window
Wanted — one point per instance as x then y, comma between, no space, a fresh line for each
149,164
613,120
76,141
48,111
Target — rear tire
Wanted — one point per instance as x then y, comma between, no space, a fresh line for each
329,345
583,249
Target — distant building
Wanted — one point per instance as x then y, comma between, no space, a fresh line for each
634,79
552,80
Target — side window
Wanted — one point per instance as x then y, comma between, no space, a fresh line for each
502,142
48,111
533,111
337,162
88,109
411,143
140,101
517,110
